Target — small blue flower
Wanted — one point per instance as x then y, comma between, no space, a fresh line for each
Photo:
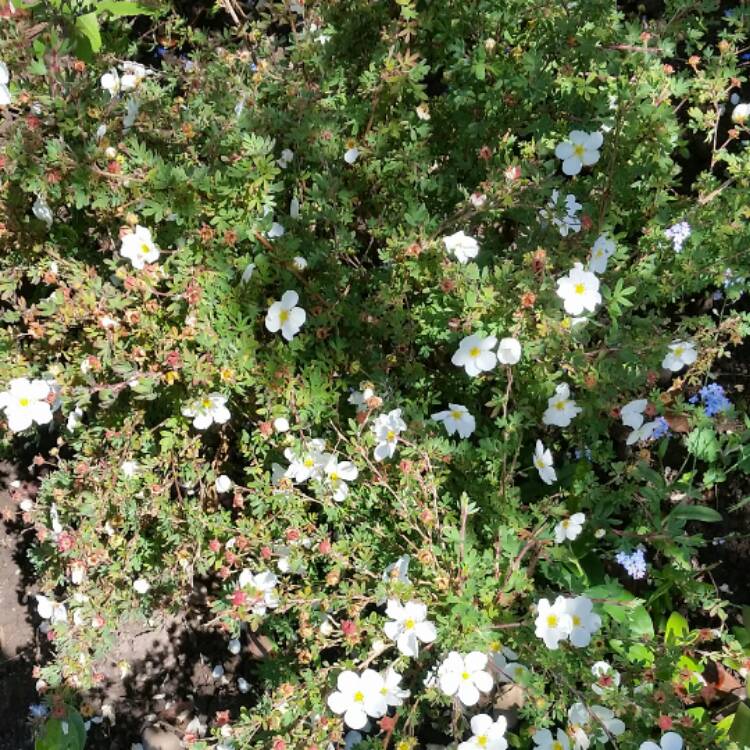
677,234
634,562
661,428
714,399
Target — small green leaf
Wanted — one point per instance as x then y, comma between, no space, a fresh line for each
694,513
740,729
89,38
118,8
677,628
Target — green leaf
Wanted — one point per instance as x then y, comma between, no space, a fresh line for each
740,729
694,513
677,628
89,38
641,623
63,734
118,8
703,444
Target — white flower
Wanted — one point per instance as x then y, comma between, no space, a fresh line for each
601,252
509,351
234,646
287,156
669,741
294,211
358,696
544,463
360,399
644,432
310,465
74,419
285,316
544,740
741,113
281,424
561,408
680,353
409,626
111,82
607,678
49,609
487,734
223,484
139,247
217,672
465,676
392,691
129,468
569,528
503,660
5,97
101,131
423,111
584,621
567,222
42,211
461,246
632,413
276,230
387,428
25,402
456,419
596,720
337,474
132,75
475,354
580,150
262,590
299,263
579,290
247,274
141,586
207,410
351,155
243,685
553,622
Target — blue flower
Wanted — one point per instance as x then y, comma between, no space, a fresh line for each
634,562
714,399
661,428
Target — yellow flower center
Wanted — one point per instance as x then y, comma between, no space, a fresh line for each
284,316
580,288
145,249
495,647
23,401
539,463
409,624
482,740
359,696
456,414
678,351
474,351
560,405
579,150
309,463
206,403
557,746
334,476
390,436
465,675
384,690
552,621
576,620
565,523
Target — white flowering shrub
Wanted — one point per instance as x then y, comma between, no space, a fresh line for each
408,334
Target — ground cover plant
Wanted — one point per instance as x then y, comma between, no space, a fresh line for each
405,338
